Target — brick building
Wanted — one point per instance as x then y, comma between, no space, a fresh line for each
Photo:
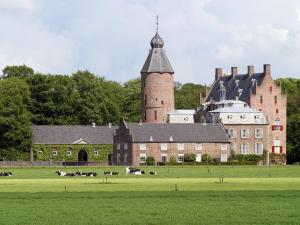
261,93
134,142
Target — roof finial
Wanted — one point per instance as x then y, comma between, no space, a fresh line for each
157,23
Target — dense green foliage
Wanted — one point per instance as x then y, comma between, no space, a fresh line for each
85,98
150,161
189,157
248,195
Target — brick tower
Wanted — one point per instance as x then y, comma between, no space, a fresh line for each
157,85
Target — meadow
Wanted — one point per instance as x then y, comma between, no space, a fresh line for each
177,195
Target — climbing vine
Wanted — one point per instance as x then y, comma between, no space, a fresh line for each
96,153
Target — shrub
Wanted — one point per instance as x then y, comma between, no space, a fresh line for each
249,157
206,158
189,157
150,161
173,160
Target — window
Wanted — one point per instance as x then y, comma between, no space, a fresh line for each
277,122
231,133
244,133
180,158
223,158
118,158
142,158
243,117
198,147
163,146
277,147
118,146
162,102
69,152
270,88
96,152
277,111
259,133
229,117
275,99
40,152
233,147
244,148
54,152
145,115
155,115
145,99
256,118
258,148
143,147
198,157
180,146
125,146
125,157
164,158
261,99
223,147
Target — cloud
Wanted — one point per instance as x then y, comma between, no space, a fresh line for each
111,38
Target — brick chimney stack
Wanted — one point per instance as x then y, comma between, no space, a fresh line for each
218,73
267,69
250,71
234,71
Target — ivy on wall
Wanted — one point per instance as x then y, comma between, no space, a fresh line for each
43,152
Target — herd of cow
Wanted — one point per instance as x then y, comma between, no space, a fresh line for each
128,170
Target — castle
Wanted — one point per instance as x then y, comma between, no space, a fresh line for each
241,114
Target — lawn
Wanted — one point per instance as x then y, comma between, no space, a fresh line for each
248,195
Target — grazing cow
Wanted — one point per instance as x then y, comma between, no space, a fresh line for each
153,173
134,171
5,174
86,174
107,173
114,173
64,174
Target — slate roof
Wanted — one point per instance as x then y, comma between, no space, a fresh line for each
180,132
157,60
240,82
68,134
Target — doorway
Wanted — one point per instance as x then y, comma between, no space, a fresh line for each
82,156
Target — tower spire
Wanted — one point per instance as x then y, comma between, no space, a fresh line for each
157,23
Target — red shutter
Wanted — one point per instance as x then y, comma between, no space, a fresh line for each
281,149
273,127
273,149
281,128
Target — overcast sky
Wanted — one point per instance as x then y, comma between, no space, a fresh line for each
111,38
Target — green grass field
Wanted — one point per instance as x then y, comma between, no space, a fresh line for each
248,195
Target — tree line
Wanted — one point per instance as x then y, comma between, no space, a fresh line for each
28,97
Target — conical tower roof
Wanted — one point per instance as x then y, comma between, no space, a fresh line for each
157,60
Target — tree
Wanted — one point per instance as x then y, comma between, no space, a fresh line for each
15,125
150,161
187,96
17,71
189,157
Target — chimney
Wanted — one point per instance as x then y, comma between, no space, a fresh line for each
267,69
234,71
250,70
218,73
94,124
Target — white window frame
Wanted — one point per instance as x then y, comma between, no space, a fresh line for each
259,133
224,147
96,152
125,146
143,147
143,158
223,157
69,153
277,145
244,134
198,157
180,146
198,147
244,148
125,157
163,146
258,151
40,152
54,152
180,156
231,133
118,146
164,155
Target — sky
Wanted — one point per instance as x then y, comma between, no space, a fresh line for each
111,37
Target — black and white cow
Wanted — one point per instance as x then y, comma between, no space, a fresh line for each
153,173
134,171
85,174
64,174
5,174
113,173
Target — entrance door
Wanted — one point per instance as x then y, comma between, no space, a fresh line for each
82,156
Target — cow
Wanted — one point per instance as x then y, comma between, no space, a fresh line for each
5,174
85,174
114,173
134,171
153,173
64,174
107,173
